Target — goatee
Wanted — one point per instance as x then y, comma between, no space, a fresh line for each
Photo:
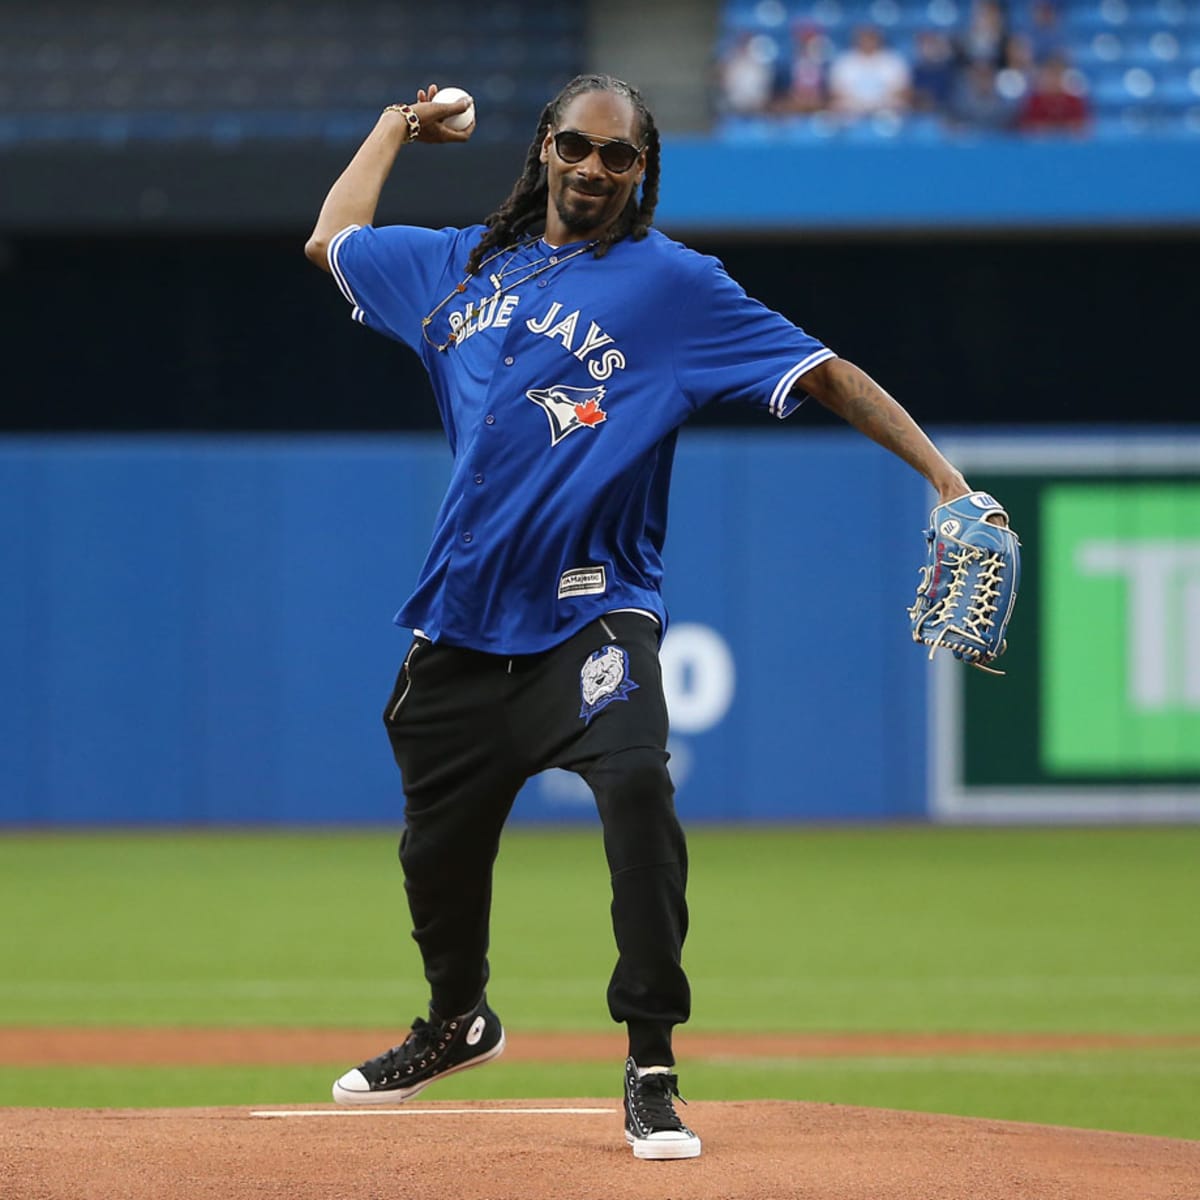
572,219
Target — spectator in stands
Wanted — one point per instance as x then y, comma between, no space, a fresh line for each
1045,31
1056,101
1019,55
746,75
986,32
869,77
1015,77
807,89
933,71
977,104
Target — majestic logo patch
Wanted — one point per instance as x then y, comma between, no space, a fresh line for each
604,680
582,581
569,408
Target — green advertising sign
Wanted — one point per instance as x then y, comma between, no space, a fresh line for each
1120,679
1098,714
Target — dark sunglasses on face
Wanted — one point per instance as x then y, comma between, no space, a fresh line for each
617,156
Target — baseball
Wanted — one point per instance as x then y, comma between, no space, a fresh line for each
463,120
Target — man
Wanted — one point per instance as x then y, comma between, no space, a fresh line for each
868,77
1056,102
562,365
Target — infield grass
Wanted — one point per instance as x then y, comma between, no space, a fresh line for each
1149,1092
911,929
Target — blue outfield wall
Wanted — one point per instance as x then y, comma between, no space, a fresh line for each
198,630
776,182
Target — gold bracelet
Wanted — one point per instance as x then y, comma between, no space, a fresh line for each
414,122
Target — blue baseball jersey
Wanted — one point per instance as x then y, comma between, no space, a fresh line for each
561,396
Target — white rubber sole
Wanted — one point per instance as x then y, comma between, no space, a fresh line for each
656,1149
343,1094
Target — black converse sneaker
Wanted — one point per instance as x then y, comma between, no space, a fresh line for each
652,1126
432,1049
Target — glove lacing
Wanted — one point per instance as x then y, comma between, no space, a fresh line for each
980,609
987,590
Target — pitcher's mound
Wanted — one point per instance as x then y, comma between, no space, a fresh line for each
572,1150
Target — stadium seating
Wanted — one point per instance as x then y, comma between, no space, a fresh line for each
120,71
1137,61
229,72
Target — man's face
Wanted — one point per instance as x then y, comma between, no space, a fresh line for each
586,196
867,40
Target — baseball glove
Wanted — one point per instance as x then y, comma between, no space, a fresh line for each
969,583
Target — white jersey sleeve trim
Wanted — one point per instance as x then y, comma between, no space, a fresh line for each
783,403
335,246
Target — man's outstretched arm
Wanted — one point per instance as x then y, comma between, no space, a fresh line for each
850,392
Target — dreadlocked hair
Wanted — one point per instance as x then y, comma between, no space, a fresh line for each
526,203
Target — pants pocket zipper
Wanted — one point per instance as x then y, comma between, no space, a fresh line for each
406,671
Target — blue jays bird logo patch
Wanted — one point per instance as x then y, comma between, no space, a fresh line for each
604,680
569,408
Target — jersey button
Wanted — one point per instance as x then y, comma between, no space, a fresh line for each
467,536
508,362
543,282
490,419
478,478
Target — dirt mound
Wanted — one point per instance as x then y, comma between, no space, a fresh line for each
572,1150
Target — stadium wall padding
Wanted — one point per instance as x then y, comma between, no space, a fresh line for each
197,630
975,182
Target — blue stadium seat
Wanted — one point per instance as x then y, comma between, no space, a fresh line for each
1101,48
945,14
829,14
1153,48
1175,12
739,128
1086,21
1150,16
1178,89
1120,87
1142,122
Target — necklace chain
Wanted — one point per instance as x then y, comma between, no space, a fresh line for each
496,278
497,275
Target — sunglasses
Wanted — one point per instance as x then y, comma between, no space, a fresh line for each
617,156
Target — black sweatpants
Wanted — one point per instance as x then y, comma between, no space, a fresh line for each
468,729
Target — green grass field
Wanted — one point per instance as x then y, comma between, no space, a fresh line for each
993,930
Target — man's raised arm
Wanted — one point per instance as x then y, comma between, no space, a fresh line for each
354,196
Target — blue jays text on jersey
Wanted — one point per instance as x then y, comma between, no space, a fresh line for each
497,313
561,397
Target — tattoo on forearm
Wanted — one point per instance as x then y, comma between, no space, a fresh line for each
871,410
